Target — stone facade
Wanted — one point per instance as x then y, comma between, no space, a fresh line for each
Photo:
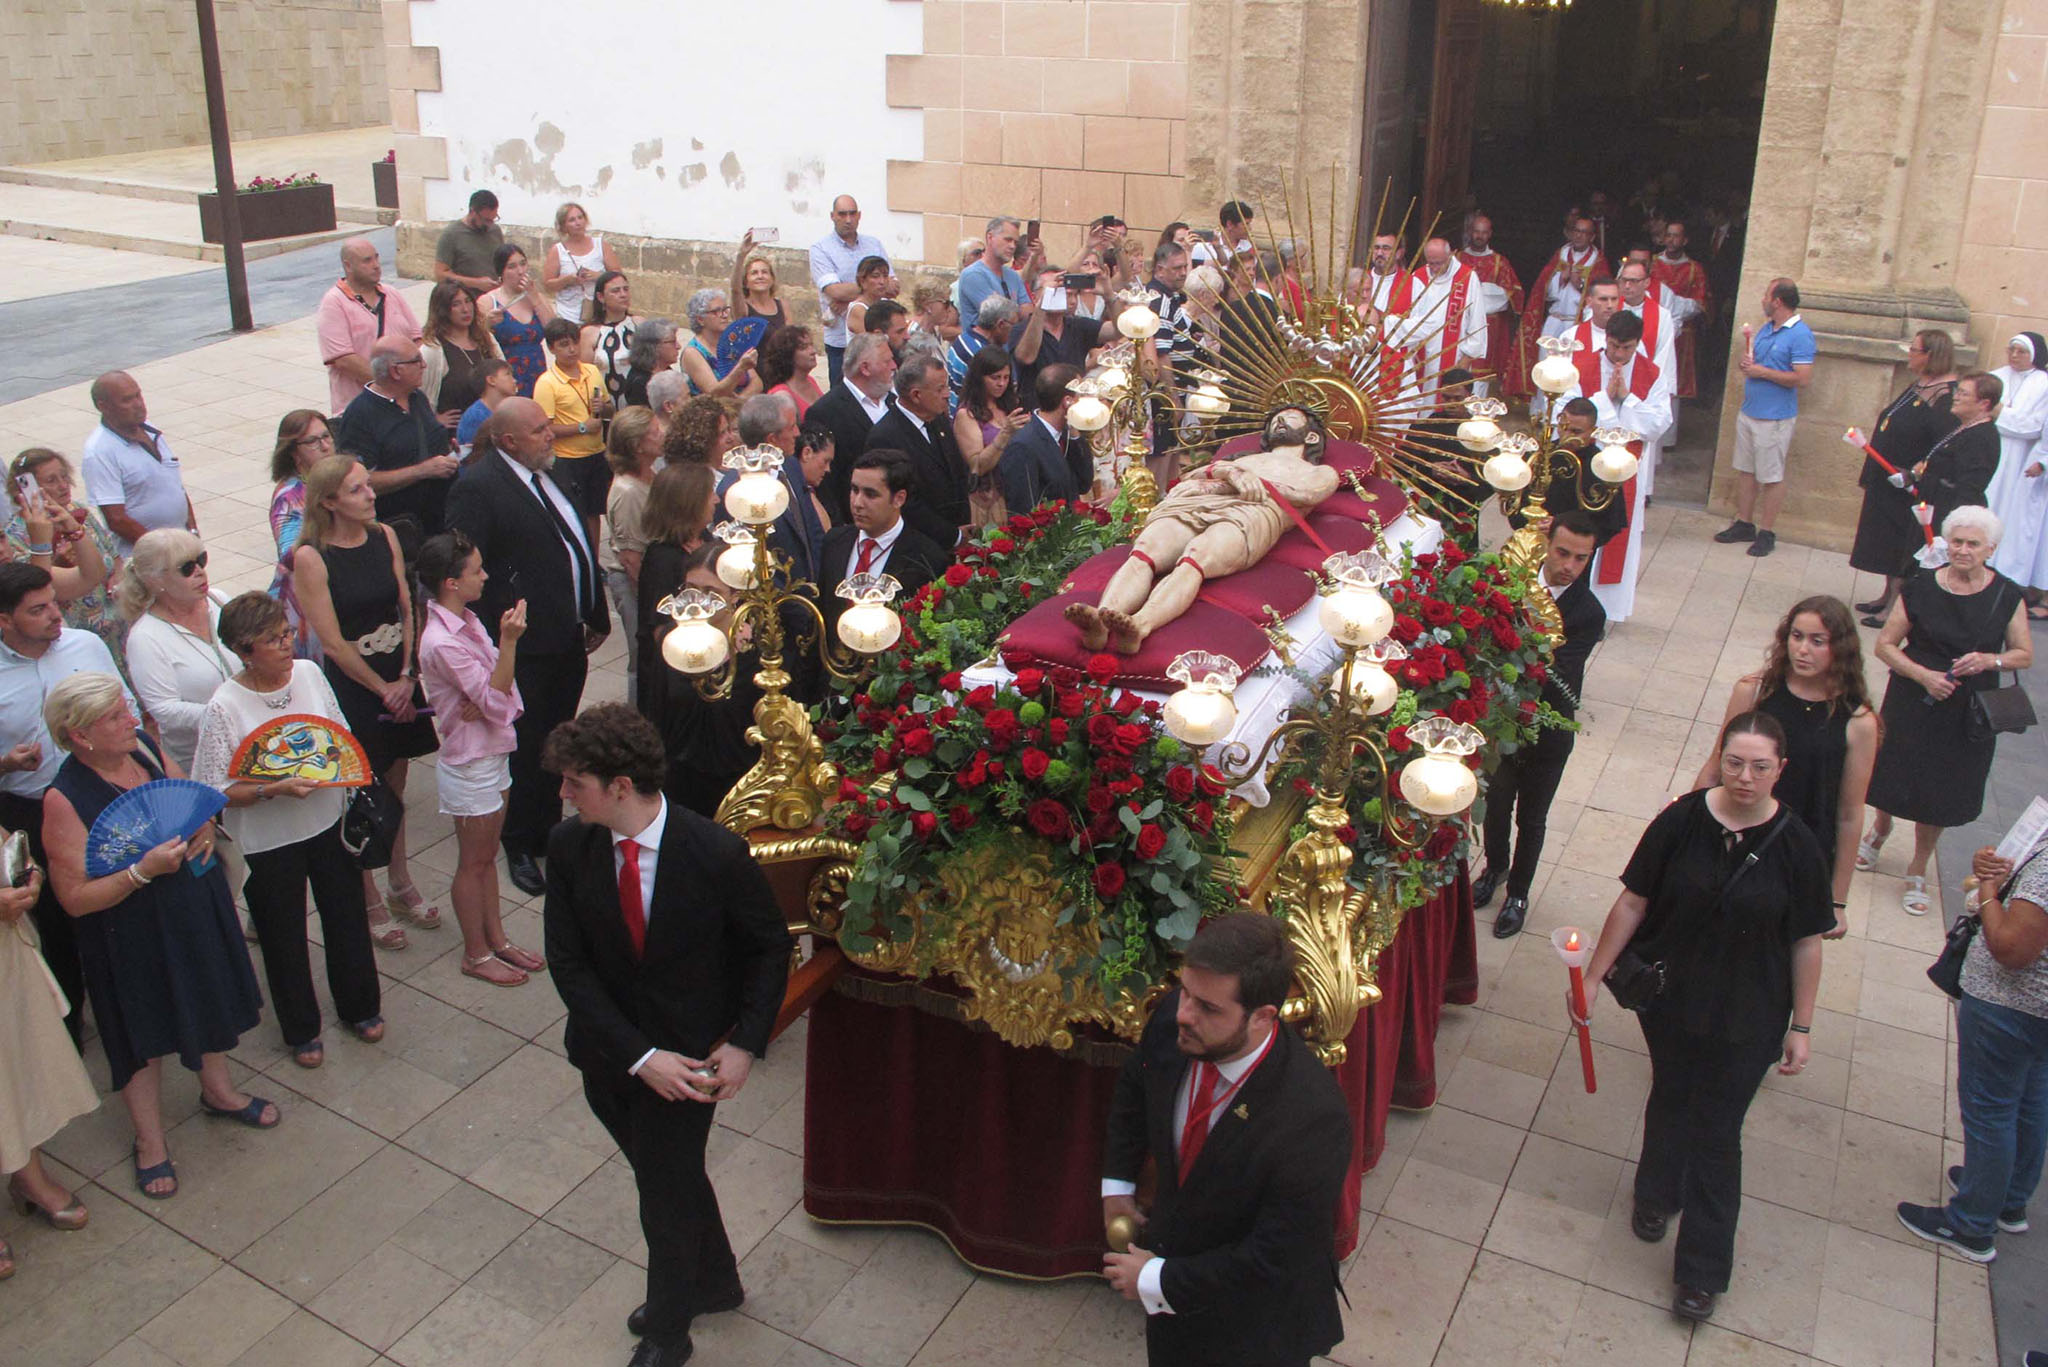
93,77
2003,268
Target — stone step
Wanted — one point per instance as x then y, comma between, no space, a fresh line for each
132,223
45,178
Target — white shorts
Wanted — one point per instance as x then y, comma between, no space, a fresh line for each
474,787
1761,445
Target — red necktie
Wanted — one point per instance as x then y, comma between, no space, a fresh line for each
630,907
1201,1104
867,555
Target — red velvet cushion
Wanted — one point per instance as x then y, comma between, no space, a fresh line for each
1271,583
1043,637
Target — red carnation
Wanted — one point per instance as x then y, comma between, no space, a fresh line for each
1102,667
1018,523
1151,840
848,790
858,825
1033,763
923,825
995,768
1029,681
961,817
1048,818
1465,710
1180,783
918,742
1538,673
1024,591
1508,637
1109,880
1425,562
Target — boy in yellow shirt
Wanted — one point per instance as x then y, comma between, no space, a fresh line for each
573,393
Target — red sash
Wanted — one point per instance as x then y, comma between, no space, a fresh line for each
1454,325
1653,323
1642,373
1393,359
1613,559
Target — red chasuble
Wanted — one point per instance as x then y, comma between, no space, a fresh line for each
1500,362
1393,360
1688,279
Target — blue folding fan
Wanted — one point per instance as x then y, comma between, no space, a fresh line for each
739,335
145,817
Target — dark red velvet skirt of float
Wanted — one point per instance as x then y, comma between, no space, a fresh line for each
913,1118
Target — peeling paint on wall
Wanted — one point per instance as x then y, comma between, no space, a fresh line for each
691,174
516,161
729,167
645,154
604,178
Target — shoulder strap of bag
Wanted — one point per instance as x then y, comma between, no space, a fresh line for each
1702,924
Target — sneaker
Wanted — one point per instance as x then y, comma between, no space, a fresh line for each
1932,1224
2012,1221
1765,543
1738,530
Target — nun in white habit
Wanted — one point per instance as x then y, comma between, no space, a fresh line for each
2019,491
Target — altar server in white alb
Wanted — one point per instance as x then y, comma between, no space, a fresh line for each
2019,491
1629,392
1446,317
1661,326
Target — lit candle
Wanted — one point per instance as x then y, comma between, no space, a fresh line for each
1575,951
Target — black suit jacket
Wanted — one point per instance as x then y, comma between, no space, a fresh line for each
717,951
1249,1243
525,558
937,505
914,561
840,410
1037,466
1585,622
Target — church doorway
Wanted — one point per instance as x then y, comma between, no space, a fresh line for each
1525,114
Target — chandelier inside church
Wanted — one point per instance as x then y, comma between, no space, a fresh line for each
1533,6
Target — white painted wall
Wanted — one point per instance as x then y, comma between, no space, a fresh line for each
644,118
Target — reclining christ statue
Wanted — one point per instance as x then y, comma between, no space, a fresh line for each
1222,518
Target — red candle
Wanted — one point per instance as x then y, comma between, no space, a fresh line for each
1571,945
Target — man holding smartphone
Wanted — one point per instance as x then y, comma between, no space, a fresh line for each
1066,339
997,272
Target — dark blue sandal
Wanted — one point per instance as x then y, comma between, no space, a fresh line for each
144,1176
250,1115
368,1031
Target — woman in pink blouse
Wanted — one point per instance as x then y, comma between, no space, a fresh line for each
469,683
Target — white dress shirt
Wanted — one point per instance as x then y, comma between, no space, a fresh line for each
648,838
570,518
876,409
884,543
1234,1074
25,681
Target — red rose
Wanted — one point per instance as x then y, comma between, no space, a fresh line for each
1465,710
1103,827
1065,676
1180,783
1127,739
1069,702
1397,739
1001,721
982,698
1101,730
1124,787
1538,673
1033,763
1056,730
1109,880
1468,619
1508,637
923,825
1425,562
1048,818
1151,840
858,825
1202,816
1102,667
961,818
1127,703
1406,629
959,576
1100,800
1210,780
1348,833
1029,681
975,774
1441,842
1002,545
1018,523
1437,613
918,742
1024,591
950,681
848,790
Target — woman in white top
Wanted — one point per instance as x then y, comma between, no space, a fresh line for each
607,339
2019,491
575,262
289,831
175,656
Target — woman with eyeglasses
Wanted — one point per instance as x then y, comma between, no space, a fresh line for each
352,584
710,312
1887,534
70,541
175,656
1718,928
518,311
289,831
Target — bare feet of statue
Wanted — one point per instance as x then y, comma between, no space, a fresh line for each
1124,636
1088,621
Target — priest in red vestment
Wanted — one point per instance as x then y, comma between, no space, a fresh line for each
1557,298
1682,289
1501,296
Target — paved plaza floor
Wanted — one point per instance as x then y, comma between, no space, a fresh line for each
444,1198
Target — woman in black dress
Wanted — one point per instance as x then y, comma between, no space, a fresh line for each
1726,891
351,581
165,964
682,500
1812,685
1886,532
1948,636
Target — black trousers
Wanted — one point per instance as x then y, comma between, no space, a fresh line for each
1518,802
1700,1090
551,686
276,893
53,925
689,1259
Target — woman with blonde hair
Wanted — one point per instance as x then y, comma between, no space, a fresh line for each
575,261
754,286
454,345
634,449
175,656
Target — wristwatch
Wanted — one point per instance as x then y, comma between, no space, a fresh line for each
581,428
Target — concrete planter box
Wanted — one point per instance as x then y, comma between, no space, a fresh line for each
272,213
384,183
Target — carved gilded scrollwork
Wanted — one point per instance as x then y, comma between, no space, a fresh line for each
1525,551
1323,915
791,782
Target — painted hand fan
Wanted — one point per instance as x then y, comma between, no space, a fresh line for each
739,335
144,817
301,745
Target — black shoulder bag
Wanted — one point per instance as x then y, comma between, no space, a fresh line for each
2004,709
1635,981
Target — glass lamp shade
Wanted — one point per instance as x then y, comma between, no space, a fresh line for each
1208,401
735,564
1479,434
1373,687
1088,414
695,646
757,498
1355,616
1440,785
1614,465
1200,714
1113,379
1554,374
1138,322
870,628
1507,472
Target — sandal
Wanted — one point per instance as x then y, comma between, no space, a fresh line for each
1914,898
1866,853
155,1173
521,958
311,1054
71,1217
407,902
387,933
368,1031
250,1115
6,1261
492,969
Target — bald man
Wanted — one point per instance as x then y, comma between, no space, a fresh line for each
834,258
352,316
131,474
393,430
1446,323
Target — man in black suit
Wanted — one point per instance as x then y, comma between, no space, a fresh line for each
878,540
534,547
1519,794
851,409
1249,1134
1044,460
918,427
672,956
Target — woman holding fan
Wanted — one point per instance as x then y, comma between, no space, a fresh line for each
289,831
165,965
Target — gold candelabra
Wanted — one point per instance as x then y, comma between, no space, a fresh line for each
791,782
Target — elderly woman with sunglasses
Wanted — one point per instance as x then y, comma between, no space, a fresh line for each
175,656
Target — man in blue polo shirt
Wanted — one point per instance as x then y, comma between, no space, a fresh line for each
997,272
1778,366
833,260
